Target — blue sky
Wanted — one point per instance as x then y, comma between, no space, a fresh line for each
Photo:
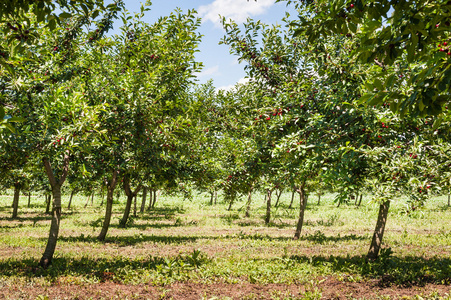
219,64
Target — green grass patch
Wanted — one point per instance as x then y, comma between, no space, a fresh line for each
182,240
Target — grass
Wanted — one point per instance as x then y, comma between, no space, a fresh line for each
192,241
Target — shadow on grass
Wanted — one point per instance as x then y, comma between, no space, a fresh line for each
389,270
118,269
320,238
135,239
230,218
442,208
247,223
165,211
35,217
150,225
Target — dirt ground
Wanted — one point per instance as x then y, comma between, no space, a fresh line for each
326,289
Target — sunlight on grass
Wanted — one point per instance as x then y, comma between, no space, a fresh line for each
183,240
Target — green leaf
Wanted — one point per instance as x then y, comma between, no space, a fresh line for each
365,98
65,15
85,9
9,127
437,123
16,119
394,106
352,27
442,85
421,105
371,26
378,84
52,24
389,81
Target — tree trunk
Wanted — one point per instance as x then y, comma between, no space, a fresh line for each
130,195
150,200
70,198
216,197
376,242
102,195
48,199
292,199
302,206
111,185
248,204
212,196
56,184
155,197
268,206
16,200
134,206
29,199
123,221
449,204
230,205
319,199
278,194
92,199
143,200
87,201
360,200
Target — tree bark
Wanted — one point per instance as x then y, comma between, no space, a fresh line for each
212,196
102,195
449,203
150,200
216,197
248,204
110,185
56,184
87,201
376,242
16,200
319,199
70,198
278,194
155,197
292,199
134,206
231,203
48,199
144,198
130,195
268,206
29,199
360,200
302,206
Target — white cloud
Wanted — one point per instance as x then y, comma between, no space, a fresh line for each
237,10
232,86
209,72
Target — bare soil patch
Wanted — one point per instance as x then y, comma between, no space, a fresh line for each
330,288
